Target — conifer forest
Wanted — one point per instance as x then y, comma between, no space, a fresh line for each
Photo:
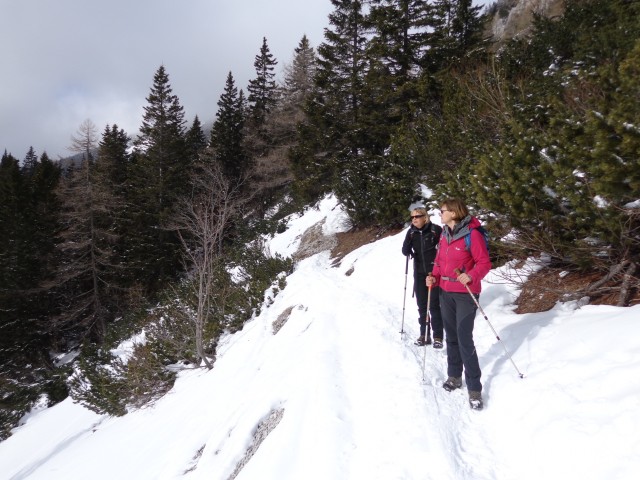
160,230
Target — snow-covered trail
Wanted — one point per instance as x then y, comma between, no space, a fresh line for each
354,399
437,427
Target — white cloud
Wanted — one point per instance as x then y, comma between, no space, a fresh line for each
69,60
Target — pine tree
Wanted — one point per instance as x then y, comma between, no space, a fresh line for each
272,171
30,162
400,35
342,66
227,134
28,216
110,176
159,175
457,30
195,140
161,142
263,92
114,158
329,154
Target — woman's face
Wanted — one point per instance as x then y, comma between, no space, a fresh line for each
418,219
446,216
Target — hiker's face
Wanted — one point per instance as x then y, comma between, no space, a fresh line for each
418,219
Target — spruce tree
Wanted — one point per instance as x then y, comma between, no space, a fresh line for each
12,276
396,45
263,92
227,134
399,38
342,65
400,33
330,155
195,140
30,162
160,144
28,214
272,172
111,176
114,158
45,221
457,30
159,175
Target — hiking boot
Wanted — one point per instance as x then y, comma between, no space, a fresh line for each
475,400
437,343
452,383
421,342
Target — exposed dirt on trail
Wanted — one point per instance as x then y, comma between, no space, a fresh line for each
542,290
349,241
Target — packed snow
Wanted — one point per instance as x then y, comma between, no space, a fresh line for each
339,393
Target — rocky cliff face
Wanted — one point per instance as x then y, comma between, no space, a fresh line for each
512,18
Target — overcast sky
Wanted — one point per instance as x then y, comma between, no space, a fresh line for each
65,61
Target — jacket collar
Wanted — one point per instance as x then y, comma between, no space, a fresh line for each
460,229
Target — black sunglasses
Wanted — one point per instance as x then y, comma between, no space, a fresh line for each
417,216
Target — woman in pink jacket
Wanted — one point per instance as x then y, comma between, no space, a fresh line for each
462,247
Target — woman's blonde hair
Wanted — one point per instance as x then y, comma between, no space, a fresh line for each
456,207
420,211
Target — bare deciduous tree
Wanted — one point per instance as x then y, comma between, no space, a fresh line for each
84,242
201,222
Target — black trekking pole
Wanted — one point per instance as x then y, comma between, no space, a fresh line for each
424,354
458,272
404,301
428,339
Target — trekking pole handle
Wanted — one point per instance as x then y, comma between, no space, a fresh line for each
458,272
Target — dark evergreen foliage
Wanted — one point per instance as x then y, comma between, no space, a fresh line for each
227,134
378,98
562,174
30,162
113,159
457,32
159,174
333,139
28,223
262,89
542,135
271,147
195,140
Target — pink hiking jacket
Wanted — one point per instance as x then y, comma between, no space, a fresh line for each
453,253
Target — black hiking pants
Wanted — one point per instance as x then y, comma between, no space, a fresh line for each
422,292
458,314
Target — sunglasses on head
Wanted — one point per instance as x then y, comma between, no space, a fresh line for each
417,216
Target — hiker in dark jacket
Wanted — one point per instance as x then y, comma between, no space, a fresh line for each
421,242
462,261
